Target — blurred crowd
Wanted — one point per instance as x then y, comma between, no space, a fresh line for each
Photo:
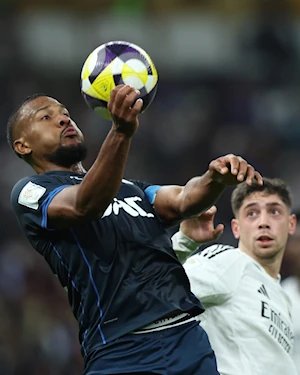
196,116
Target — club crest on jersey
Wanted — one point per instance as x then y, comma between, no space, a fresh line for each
129,205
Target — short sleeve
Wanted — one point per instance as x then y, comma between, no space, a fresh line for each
214,273
30,199
150,190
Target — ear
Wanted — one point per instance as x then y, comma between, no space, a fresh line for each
22,147
235,228
292,224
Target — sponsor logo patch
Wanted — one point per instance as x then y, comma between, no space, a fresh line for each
30,195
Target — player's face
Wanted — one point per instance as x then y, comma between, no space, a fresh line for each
47,130
263,225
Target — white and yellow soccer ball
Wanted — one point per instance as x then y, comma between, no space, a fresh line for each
113,64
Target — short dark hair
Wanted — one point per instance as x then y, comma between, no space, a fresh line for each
270,186
13,121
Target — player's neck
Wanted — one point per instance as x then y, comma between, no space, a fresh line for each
271,265
48,167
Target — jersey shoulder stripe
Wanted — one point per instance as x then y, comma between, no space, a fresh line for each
214,250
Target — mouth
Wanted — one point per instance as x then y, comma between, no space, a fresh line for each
265,240
69,132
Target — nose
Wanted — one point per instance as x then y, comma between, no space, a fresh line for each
264,226
263,221
63,120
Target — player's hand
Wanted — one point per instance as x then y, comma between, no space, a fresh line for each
232,170
124,107
201,228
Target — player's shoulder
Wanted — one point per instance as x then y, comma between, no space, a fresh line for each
139,183
215,255
135,185
148,188
219,251
31,182
19,185
225,262
26,189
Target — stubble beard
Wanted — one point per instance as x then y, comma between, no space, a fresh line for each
67,156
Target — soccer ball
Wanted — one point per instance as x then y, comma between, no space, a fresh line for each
116,63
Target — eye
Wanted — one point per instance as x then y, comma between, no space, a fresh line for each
67,114
46,117
275,211
251,213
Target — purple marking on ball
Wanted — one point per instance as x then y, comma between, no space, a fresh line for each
104,57
93,102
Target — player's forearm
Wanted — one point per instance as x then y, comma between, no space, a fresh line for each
199,194
103,180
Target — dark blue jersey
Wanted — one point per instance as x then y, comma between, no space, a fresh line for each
120,269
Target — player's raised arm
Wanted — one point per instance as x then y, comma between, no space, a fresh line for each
175,203
101,183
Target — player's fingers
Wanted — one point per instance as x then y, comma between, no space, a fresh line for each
219,165
252,174
218,231
131,106
137,107
113,94
258,178
120,94
211,211
233,163
242,169
130,99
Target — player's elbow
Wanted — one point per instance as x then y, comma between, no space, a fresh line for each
88,212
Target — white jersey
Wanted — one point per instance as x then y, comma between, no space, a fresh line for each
292,287
248,314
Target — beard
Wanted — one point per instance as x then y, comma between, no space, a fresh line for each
66,156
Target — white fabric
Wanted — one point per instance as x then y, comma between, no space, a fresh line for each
184,245
166,323
30,195
248,314
292,287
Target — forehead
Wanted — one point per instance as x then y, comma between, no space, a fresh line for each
262,199
36,104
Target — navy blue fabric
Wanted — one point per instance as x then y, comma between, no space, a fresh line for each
120,269
182,350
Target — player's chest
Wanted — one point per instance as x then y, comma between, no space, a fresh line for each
130,205
260,295
263,308
130,202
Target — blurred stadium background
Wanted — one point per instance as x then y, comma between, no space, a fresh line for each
229,82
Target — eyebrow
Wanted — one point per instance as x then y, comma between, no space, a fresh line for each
272,204
47,106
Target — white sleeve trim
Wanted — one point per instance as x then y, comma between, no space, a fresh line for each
182,243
